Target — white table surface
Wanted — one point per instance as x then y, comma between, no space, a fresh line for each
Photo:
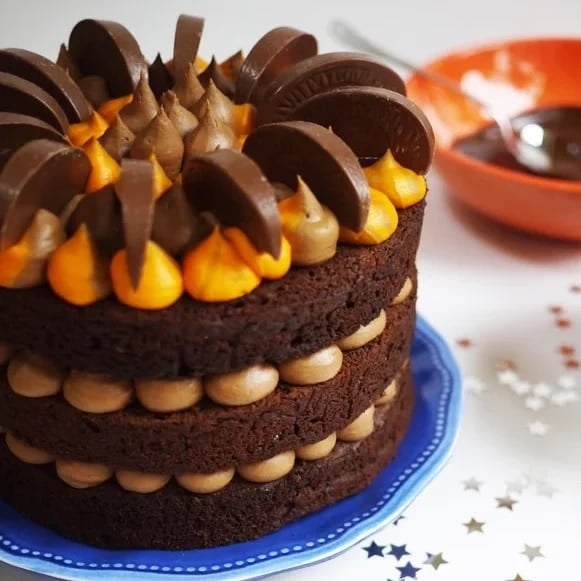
479,282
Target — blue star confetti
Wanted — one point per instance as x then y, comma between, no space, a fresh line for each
398,551
398,520
408,571
374,550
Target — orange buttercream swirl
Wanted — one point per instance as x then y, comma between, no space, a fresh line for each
104,169
401,185
80,133
77,273
214,271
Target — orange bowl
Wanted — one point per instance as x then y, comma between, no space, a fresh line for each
515,76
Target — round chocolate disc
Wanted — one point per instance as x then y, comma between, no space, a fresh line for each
370,121
17,129
321,73
332,171
231,186
273,54
108,50
18,95
41,174
50,77
186,43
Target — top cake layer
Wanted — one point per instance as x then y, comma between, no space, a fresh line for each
147,181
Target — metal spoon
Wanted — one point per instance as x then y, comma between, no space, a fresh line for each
541,148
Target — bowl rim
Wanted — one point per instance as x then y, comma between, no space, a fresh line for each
513,176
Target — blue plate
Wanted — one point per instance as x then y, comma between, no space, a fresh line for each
309,540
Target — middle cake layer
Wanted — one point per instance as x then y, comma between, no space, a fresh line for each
210,437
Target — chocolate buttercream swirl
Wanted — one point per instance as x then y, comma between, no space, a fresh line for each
211,134
183,120
188,88
142,109
222,107
117,140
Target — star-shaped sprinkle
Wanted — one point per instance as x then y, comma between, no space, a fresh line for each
534,403
538,428
398,551
556,309
464,342
562,398
505,502
374,550
408,571
474,385
398,520
516,486
521,387
572,364
566,381
545,489
542,390
474,526
518,578
532,553
575,288
507,376
472,484
435,560
563,323
567,350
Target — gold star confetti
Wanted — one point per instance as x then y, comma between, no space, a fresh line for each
436,560
505,502
563,323
575,288
572,364
556,309
474,526
472,484
518,578
464,342
532,553
567,350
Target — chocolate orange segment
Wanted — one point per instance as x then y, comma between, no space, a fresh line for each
288,149
231,186
21,96
372,120
107,49
41,174
17,129
273,54
187,38
49,77
321,73
135,191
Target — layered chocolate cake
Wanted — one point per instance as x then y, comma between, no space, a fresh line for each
208,283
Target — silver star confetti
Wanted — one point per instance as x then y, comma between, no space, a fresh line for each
532,553
505,502
562,398
507,377
474,385
534,403
543,390
521,387
538,428
545,489
516,486
566,382
474,526
472,484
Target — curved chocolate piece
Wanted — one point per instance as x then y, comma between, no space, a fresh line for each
176,227
332,171
135,191
231,186
101,213
95,89
186,43
108,50
213,72
273,54
63,60
372,120
41,174
50,77
17,129
160,79
320,73
21,96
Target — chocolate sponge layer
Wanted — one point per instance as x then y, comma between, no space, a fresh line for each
173,518
211,437
301,313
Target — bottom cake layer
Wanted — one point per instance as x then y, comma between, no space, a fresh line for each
108,516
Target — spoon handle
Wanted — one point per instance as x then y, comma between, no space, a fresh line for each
353,38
